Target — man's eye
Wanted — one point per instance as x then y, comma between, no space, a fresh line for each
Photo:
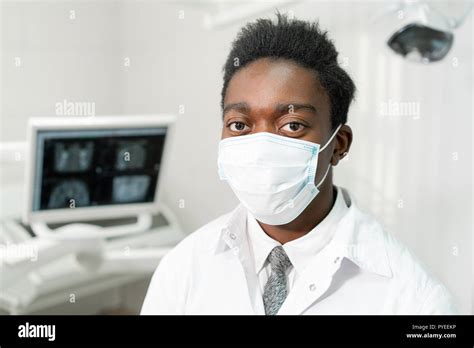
237,126
292,127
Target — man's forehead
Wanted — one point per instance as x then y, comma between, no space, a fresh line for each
275,84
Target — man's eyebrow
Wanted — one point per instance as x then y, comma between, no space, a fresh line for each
242,106
290,107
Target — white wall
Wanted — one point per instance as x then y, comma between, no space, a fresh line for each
413,173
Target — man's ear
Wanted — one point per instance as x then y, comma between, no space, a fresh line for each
342,144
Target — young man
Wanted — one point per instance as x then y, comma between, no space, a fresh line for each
296,244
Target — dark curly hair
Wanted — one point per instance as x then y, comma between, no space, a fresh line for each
301,42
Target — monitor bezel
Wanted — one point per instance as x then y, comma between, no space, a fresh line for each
78,214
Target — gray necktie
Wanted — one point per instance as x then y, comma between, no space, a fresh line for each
275,290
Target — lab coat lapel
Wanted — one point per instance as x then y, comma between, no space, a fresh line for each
236,259
317,277
312,284
233,277
358,238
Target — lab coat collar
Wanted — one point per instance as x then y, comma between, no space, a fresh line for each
362,240
302,250
233,230
359,238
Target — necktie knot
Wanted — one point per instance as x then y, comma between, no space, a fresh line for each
279,260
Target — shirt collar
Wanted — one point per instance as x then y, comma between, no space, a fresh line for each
261,244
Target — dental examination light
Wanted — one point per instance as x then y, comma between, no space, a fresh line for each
425,29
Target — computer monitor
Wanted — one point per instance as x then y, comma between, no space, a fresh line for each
90,168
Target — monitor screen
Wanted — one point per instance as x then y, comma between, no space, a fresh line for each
96,167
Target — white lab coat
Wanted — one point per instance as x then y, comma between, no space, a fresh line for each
362,270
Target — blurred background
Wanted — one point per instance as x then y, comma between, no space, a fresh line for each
411,162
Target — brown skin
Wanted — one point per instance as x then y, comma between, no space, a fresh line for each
281,97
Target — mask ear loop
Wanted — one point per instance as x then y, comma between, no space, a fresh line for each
327,143
324,177
331,138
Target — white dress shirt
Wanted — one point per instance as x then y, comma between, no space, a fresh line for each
300,251
361,269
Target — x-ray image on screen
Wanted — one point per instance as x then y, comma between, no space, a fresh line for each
130,155
131,188
69,193
82,168
73,157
